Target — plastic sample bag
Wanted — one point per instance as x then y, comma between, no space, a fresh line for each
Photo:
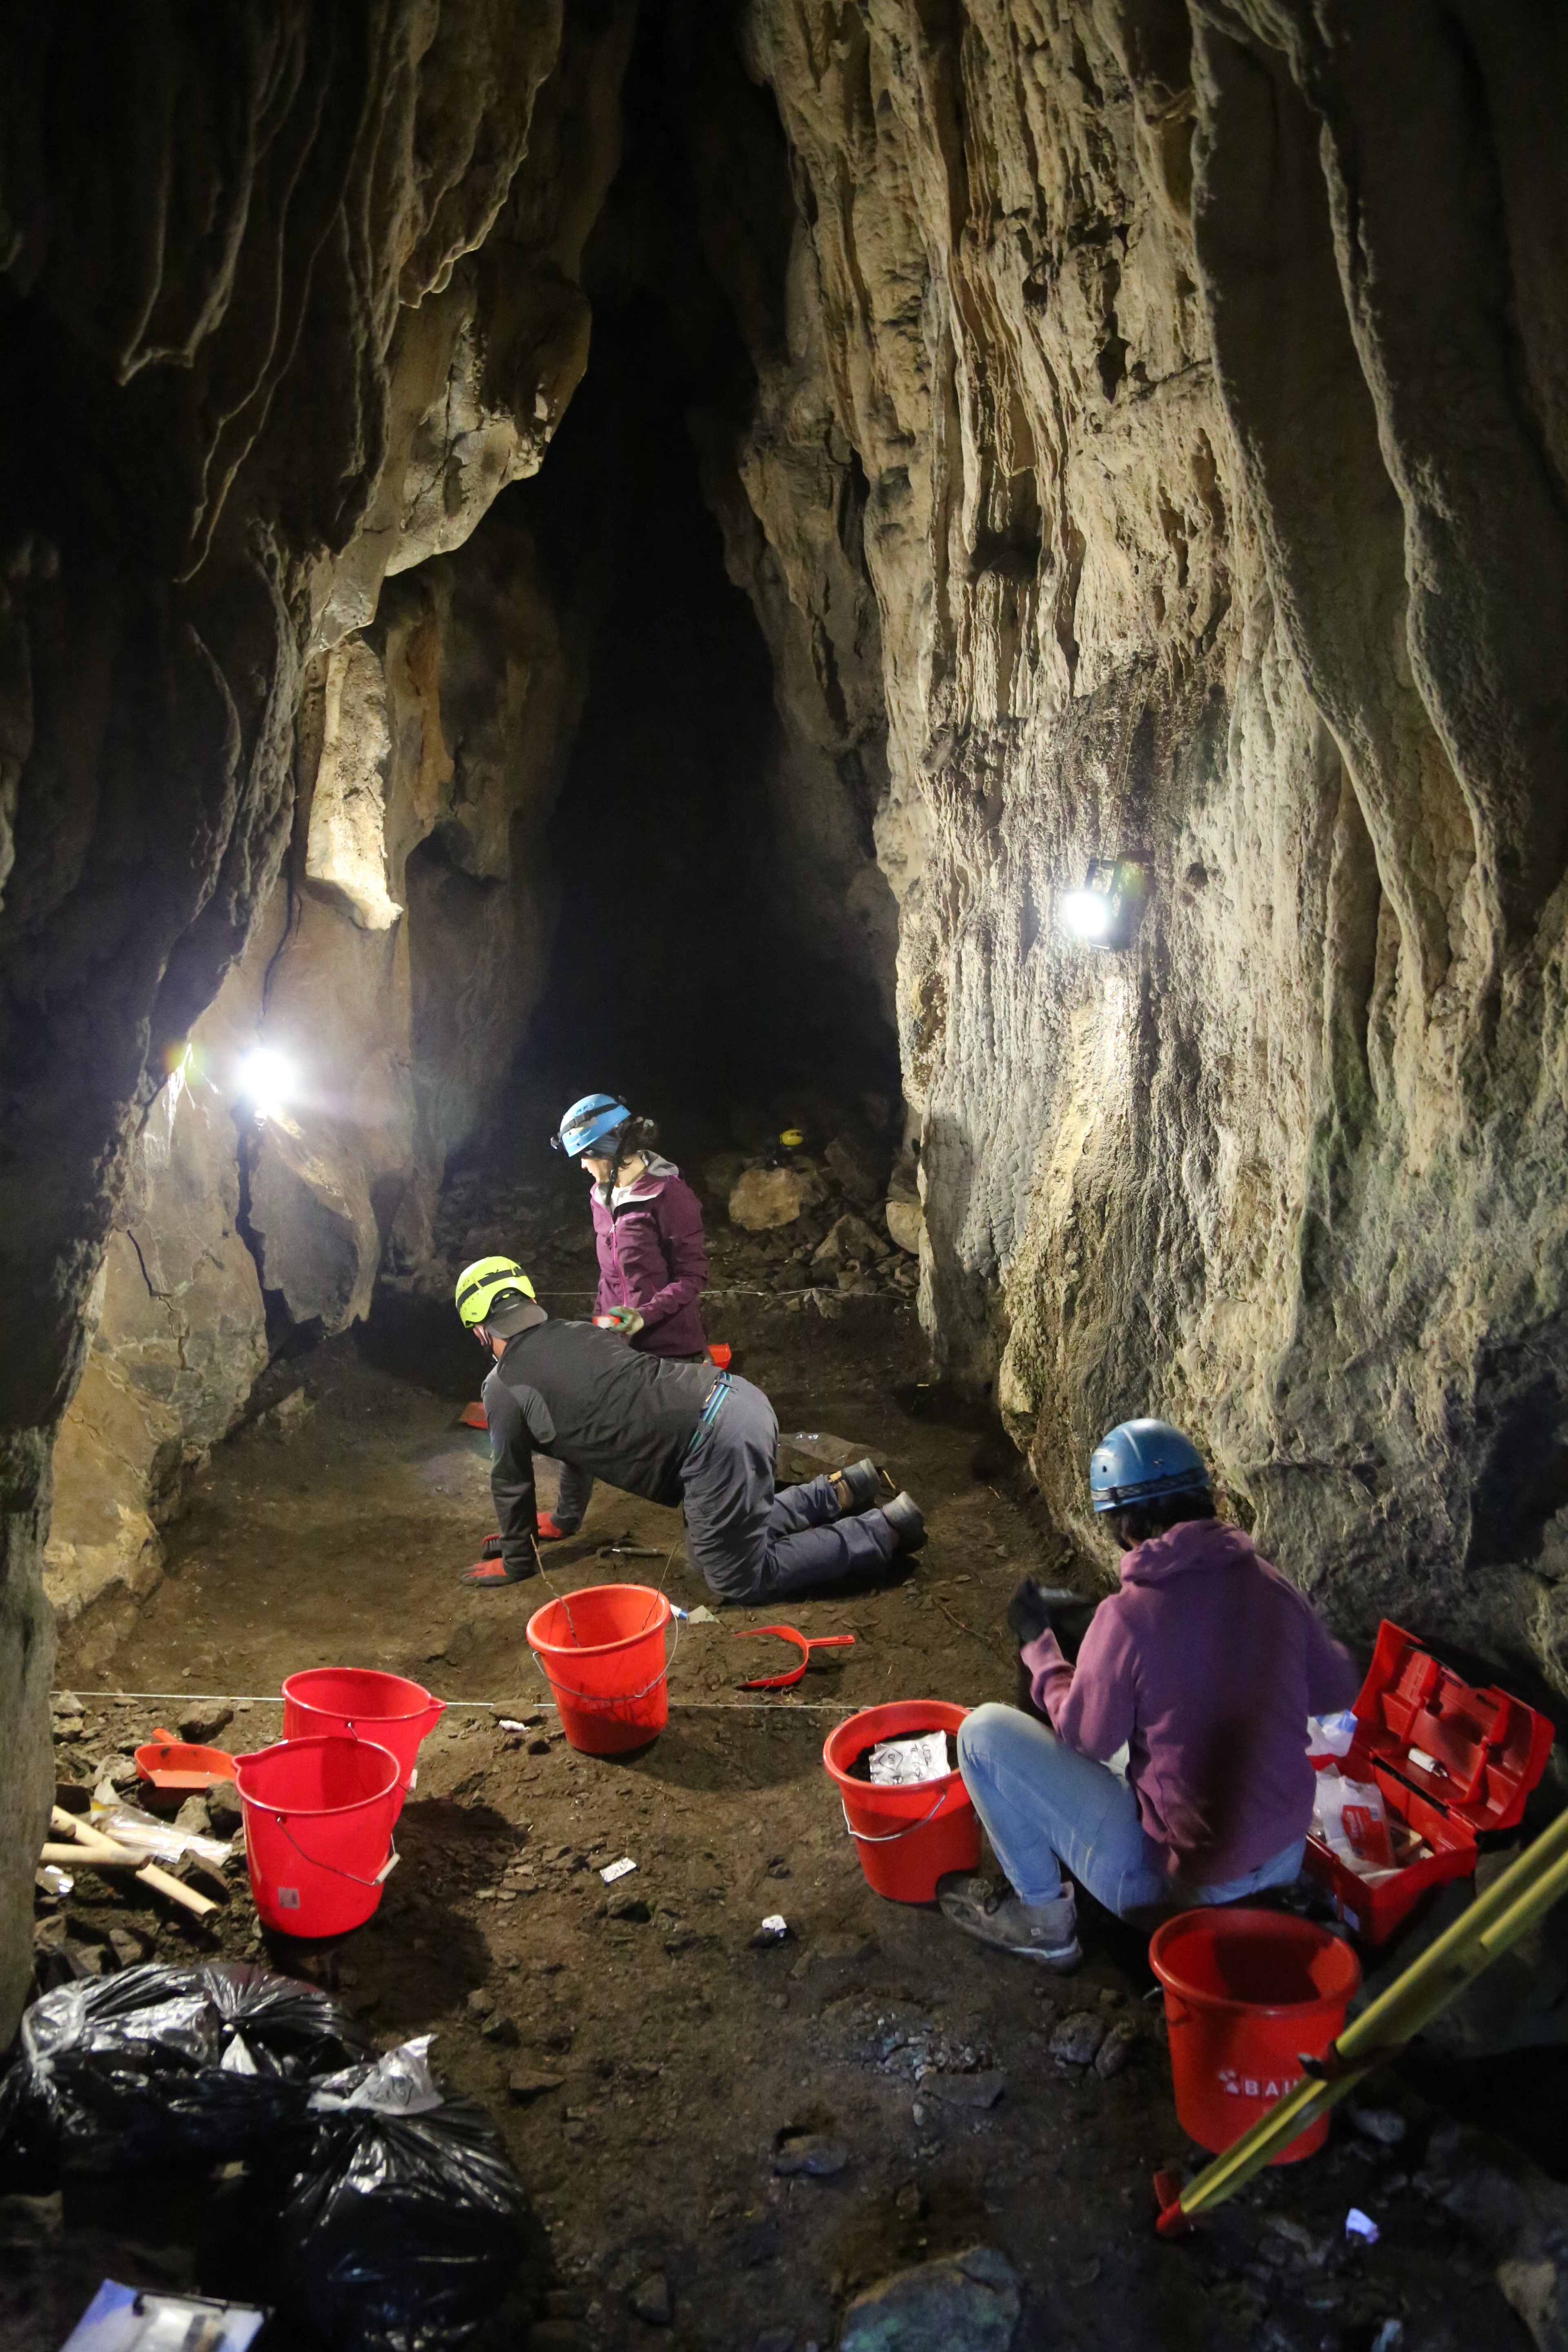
190,2065
135,2319
405,2224
903,1763
1355,1824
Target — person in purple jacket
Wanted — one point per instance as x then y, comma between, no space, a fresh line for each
1204,1666
653,1252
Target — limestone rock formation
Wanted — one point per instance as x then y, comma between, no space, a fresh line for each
212,230
1152,347
178,1336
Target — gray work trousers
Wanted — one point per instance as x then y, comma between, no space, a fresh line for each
747,1542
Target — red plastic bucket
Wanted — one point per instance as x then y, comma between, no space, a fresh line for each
357,1702
906,1838
1248,1994
603,1653
319,1816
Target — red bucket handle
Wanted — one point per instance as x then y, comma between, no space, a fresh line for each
890,1836
383,1874
610,1699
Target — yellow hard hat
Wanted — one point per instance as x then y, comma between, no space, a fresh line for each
490,1283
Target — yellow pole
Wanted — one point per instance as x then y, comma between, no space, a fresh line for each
1525,1892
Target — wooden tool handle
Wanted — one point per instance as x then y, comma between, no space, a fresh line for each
163,1883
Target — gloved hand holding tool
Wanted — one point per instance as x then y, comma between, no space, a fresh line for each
624,1321
1035,1609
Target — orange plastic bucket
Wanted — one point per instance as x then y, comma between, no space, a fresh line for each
360,1704
1248,1994
906,1838
602,1653
319,1816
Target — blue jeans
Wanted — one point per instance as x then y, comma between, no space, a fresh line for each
1046,1808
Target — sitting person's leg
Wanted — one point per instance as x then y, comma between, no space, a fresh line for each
1283,1869
731,1537
1046,1810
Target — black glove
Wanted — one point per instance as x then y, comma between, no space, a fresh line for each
1035,1607
1028,1612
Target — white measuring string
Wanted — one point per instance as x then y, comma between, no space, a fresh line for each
527,1705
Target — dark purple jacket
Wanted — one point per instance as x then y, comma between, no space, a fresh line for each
1208,1664
653,1255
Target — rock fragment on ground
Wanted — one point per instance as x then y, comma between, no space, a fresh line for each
1116,2049
526,2083
859,1168
765,1197
203,1723
1520,2216
808,2153
1385,2125
224,1812
977,2090
1077,2039
905,1221
971,2300
849,1243
650,2299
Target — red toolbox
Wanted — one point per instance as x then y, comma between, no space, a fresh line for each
1450,1761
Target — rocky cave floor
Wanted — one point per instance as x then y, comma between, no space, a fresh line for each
640,2057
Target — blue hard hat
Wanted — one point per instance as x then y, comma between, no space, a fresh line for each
592,1121
1139,1460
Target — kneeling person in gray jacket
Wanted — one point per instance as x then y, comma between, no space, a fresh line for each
672,1433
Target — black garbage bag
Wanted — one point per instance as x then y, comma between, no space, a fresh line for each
191,2065
405,2224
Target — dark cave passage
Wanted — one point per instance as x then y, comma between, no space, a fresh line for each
673,969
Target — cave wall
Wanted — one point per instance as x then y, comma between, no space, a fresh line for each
288,296
1194,374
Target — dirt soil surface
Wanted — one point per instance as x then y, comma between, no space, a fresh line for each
651,2067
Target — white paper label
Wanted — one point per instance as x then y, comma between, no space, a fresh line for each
287,1898
614,1870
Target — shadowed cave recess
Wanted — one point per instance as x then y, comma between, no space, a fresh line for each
545,548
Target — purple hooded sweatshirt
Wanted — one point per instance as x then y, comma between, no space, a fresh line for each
653,1255
1208,1664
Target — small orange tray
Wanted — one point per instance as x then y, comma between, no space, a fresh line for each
171,1763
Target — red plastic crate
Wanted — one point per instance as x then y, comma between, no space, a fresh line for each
1450,1761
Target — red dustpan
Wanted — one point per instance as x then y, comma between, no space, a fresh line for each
788,1633
171,1763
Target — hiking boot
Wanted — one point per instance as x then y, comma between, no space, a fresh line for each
905,1520
855,1488
1046,1932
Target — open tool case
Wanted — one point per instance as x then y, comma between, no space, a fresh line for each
1450,1761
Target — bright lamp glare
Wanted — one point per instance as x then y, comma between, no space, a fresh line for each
1086,913
264,1081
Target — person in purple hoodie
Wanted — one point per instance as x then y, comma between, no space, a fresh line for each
653,1253
1204,1666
